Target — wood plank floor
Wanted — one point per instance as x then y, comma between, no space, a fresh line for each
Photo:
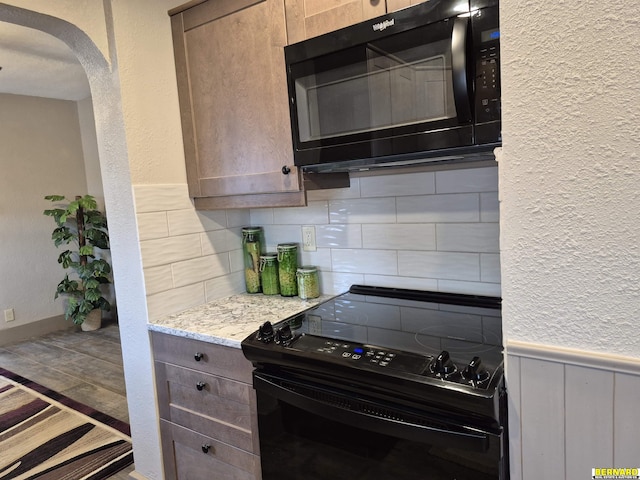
84,366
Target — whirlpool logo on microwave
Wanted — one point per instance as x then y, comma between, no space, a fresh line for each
615,473
378,27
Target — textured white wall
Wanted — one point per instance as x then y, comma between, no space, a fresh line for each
570,174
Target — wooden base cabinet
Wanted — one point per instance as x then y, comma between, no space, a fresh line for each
208,421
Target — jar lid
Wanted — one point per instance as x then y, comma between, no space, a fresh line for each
287,246
307,269
251,229
269,256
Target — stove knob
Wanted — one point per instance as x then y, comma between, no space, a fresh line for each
474,371
444,366
265,332
284,335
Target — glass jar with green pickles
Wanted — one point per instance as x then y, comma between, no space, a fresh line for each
269,274
251,250
287,268
308,283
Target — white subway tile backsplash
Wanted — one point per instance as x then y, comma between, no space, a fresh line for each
182,222
219,241
489,207
238,217
453,208
236,260
490,267
276,234
314,213
420,183
399,236
412,283
174,301
158,279
321,258
468,237
224,286
386,230
200,269
467,180
161,198
382,262
363,210
339,236
471,288
163,251
335,283
152,225
261,216
440,265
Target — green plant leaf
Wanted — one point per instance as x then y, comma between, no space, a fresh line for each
65,259
86,250
54,198
88,202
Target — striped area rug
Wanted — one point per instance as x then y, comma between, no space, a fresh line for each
48,436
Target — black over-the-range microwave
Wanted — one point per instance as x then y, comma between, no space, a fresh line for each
418,85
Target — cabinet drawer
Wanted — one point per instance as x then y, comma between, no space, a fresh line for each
215,359
191,461
218,398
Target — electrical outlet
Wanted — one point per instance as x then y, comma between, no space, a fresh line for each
9,315
308,238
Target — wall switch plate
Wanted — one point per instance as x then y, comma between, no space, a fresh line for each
309,238
9,315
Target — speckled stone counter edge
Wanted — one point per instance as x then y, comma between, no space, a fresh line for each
228,321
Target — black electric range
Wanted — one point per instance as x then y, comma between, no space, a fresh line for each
418,348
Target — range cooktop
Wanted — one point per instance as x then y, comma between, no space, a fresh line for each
448,340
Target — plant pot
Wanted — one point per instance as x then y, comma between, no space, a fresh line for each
93,320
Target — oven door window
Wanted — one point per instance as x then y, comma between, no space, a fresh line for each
401,81
299,443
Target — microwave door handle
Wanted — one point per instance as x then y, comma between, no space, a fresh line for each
459,68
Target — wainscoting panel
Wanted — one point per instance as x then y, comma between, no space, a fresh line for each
571,411
541,405
626,419
588,420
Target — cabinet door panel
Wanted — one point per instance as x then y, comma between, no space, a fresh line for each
310,18
191,461
233,101
394,5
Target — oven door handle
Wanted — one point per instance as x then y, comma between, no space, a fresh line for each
388,423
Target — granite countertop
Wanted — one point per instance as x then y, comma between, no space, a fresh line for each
230,320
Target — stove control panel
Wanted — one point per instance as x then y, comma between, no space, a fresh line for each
366,356
473,374
442,366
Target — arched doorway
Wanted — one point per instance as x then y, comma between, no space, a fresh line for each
114,166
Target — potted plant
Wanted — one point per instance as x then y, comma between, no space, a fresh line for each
82,228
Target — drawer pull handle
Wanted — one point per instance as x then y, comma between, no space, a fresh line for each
198,356
205,448
200,386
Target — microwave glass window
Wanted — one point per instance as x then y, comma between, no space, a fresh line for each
392,83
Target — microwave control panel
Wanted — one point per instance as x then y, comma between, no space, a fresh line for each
486,35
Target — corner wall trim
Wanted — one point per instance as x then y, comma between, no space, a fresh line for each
571,356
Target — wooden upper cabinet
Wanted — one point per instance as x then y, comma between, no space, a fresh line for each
310,18
234,103
395,5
